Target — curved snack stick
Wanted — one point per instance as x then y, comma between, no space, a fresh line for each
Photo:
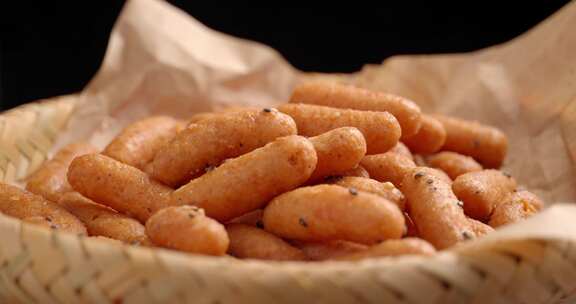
411,229
434,208
118,186
407,246
186,228
103,221
402,149
139,142
484,143
482,191
338,150
248,182
479,228
209,142
50,180
252,218
319,251
387,167
385,190
454,164
330,212
348,97
25,205
248,242
380,129
518,206
429,139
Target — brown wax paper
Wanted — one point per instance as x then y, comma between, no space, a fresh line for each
161,61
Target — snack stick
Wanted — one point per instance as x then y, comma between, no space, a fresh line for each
103,221
402,149
380,129
411,229
204,145
434,208
482,191
518,206
385,190
429,139
319,251
479,228
50,180
139,142
330,212
186,228
248,182
406,246
486,144
22,204
453,164
338,150
348,97
248,242
119,186
387,167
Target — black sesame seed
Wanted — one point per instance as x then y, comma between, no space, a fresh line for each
508,175
477,191
52,226
260,224
191,215
429,182
303,222
460,204
476,143
466,235
418,175
267,110
48,219
353,191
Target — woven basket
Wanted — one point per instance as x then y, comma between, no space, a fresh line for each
43,266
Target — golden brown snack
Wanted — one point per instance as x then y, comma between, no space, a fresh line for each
117,185
103,221
434,208
139,142
482,191
50,180
454,164
248,242
206,144
406,246
252,218
338,150
186,228
330,212
385,190
380,129
349,97
484,143
479,228
429,139
518,206
387,167
23,204
319,251
402,149
248,182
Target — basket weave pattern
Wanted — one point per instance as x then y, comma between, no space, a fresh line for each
42,266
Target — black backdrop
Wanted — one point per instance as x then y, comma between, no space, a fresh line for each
48,51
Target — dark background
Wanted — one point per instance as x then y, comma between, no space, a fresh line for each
49,51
